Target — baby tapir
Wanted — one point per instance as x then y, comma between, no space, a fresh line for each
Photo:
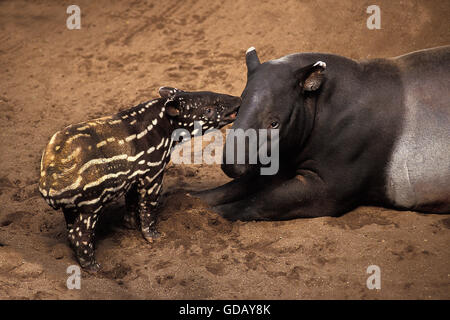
86,165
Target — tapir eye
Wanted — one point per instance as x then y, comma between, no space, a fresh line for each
274,124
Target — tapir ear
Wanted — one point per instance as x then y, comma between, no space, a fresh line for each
168,92
252,60
172,107
311,77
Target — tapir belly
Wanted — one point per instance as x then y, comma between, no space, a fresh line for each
418,173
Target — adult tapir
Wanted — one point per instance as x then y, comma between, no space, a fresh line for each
368,132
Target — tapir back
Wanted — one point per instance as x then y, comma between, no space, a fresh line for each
85,159
418,175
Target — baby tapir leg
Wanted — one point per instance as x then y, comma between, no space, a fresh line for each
149,192
130,219
70,215
81,237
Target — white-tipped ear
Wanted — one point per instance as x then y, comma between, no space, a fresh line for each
320,64
168,92
311,77
250,49
252,60
172,107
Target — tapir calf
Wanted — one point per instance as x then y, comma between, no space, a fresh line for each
369,132
87,165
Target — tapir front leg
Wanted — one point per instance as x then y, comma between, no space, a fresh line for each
81,237
304,196
230,192
149,192
237,189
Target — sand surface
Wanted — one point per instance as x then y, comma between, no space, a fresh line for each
52,77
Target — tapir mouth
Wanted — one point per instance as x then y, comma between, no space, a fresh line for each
229,117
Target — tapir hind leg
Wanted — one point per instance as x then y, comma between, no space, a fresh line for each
304,196
130,218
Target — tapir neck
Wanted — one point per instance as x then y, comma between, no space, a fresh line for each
149,118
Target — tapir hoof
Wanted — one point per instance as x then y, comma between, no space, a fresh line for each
91,267
152,235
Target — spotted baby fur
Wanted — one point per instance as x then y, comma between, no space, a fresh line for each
87,165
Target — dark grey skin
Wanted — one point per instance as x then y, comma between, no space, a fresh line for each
370,132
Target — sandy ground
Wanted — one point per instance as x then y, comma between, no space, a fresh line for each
52,77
